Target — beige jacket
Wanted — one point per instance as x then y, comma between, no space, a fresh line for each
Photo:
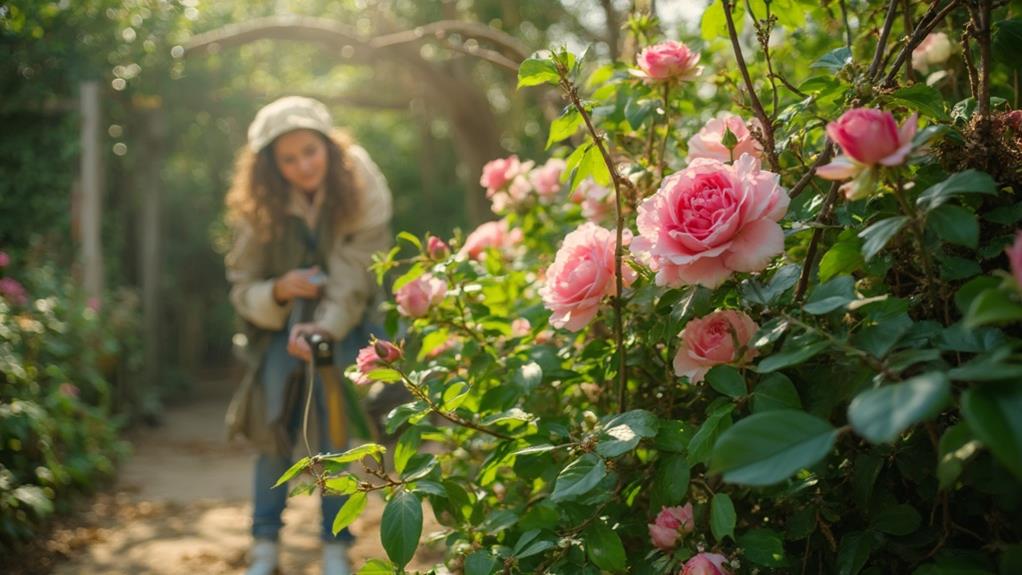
350,285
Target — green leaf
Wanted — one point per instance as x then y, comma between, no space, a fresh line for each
419,466
793,355
384,375
480,563
994,414
642,422
898,519
722,517
373,450
835,60
292,471
726,380
882,414
377,567
342,484
673,436
1006,45
407,446
923,99
844,257
956,446
967,182
410,239
454,395
350,511
992,306
411,275
768,447
853,552
701,445
877,235
713,23
536,71
604,547
670,484
401,527
954,224
578,478
564,126
775,392
835,294
763,547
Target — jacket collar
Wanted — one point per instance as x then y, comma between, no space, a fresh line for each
300,206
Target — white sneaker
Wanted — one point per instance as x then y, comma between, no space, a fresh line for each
263,558
335,559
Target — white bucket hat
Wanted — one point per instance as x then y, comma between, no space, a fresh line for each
287,114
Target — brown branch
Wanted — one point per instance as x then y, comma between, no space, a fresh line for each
572,92
874,67
823,158
768,129
926,25
983,36
508,44
814,242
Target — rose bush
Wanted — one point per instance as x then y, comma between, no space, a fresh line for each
736,368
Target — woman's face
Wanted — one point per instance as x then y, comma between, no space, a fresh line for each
301,157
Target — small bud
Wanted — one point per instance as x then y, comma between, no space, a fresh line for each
729,140
437,248
386,351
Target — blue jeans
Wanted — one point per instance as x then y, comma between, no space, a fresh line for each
269,502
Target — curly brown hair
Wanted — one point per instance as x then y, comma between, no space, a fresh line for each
259,192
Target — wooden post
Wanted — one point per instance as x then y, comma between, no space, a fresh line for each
91,189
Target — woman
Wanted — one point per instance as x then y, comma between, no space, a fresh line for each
309,208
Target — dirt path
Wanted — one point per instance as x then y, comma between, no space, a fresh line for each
181,506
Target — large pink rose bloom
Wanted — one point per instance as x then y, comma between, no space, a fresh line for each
546,179
1015,258
705,564
708,142
719,338
670,524
581,275
490,235
669,60
416,297
868,138
711,220
374,356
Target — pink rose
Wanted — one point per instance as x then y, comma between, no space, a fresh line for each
581,275
670,524
416,297
490,235
669,60
868,138
710,220
94,303
1013,119
5,260
437,248
705,564
497,173
596,200
934,50
447,345
520,327
708,143
1015,258
13,291
546,179
68,389
719,338
376,355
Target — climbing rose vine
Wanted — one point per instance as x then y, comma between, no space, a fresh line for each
757,309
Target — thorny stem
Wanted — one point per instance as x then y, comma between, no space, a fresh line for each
814,242
823,158
757,107
926,24
916,224
763,36
572,93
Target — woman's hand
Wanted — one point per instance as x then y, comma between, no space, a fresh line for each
299,283
296,344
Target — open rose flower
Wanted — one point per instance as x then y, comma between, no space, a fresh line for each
670,524
376,355
416,297
668,61
495,234
934,50
546,179
506,182
709,141
869,138
710,220
719,338
1015,258
581,275
520,327
705,564
596,200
